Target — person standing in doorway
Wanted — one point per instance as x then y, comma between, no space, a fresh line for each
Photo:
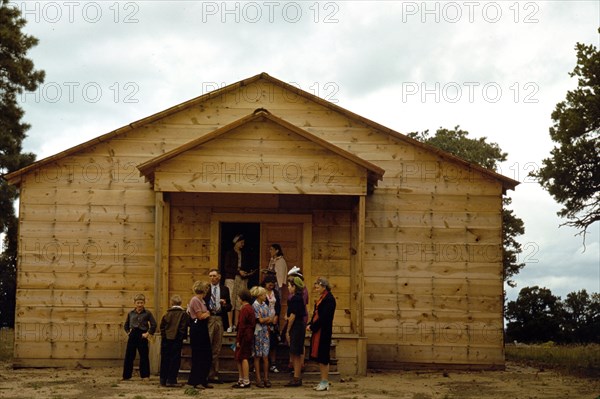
236,274
219,306
278,266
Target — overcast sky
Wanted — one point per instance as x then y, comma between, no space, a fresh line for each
497,69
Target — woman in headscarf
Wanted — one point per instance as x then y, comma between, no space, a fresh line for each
321,326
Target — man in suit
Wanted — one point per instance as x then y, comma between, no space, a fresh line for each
218,301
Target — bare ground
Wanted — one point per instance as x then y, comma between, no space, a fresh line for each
517,381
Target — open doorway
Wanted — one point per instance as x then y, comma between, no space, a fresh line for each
291,232
251,251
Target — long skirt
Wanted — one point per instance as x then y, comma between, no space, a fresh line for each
297,334
201,352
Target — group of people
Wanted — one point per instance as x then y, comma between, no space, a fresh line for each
254,317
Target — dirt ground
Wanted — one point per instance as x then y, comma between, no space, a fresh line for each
518,382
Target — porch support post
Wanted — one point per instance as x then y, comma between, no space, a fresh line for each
161,269
357,272
161,258
357,307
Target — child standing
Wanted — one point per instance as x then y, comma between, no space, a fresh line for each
139,325
245,339
261,335
173,330
274,302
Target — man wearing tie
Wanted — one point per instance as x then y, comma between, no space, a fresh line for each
219,304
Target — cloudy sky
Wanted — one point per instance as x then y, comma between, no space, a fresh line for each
497,69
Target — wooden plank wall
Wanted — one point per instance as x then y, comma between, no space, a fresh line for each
433,285
432,261
189,258
86,247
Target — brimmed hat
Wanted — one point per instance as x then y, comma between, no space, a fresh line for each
295,271
238,238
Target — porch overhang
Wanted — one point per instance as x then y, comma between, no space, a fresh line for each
261,154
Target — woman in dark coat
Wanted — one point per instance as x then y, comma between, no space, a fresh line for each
321,325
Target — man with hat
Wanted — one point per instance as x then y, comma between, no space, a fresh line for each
235,273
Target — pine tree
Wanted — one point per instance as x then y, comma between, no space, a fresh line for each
571,173
17,74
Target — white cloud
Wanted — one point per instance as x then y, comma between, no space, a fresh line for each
367,56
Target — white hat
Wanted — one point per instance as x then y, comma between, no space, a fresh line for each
238,238
295,271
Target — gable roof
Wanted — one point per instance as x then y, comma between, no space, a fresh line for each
372,172
14,177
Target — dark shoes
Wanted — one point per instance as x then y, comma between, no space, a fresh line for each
295,382
207,386
173,385
240,385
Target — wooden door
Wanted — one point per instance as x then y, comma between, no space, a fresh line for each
289,236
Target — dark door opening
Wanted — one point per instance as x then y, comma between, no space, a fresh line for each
251,251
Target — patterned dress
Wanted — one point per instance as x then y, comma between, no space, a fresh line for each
261,332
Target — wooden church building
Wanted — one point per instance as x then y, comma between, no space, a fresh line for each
409,236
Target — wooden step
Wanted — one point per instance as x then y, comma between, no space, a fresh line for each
228,365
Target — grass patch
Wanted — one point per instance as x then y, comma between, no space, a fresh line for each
191,392
581,360
7,339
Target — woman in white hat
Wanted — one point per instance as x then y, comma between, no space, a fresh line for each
296,328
